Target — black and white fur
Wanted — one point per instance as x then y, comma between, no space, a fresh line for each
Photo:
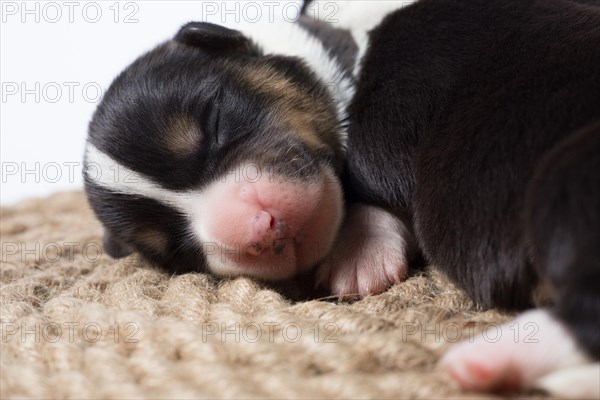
477,121
481,120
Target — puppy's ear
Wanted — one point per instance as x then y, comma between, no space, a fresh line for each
305,6
214,38
115,247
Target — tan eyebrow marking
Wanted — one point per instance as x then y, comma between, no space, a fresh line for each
301,113
183,136
152,238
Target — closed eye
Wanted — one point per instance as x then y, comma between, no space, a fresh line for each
213,117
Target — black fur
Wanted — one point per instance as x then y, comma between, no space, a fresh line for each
481,118
215,39
562,217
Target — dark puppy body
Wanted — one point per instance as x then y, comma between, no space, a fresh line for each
477,119
483,120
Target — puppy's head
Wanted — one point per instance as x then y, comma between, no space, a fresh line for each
205,154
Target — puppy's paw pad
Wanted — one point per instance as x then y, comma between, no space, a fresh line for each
370,255
359,274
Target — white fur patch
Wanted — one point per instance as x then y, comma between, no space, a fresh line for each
534,350
582,382
104,171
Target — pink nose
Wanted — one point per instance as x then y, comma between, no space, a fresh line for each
266,232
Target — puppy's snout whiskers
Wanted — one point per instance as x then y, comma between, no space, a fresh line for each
297,164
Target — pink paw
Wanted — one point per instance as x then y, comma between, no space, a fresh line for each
371,253
533,351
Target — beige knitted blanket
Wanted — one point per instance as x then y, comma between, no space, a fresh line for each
77,324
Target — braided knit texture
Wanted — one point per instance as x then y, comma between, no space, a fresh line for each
77,324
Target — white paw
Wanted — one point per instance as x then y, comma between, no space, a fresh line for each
580,382
370,254
533,351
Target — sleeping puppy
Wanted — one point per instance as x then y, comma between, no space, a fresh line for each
212,153
481,119
222,151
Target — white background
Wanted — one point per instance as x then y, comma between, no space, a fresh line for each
51,51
